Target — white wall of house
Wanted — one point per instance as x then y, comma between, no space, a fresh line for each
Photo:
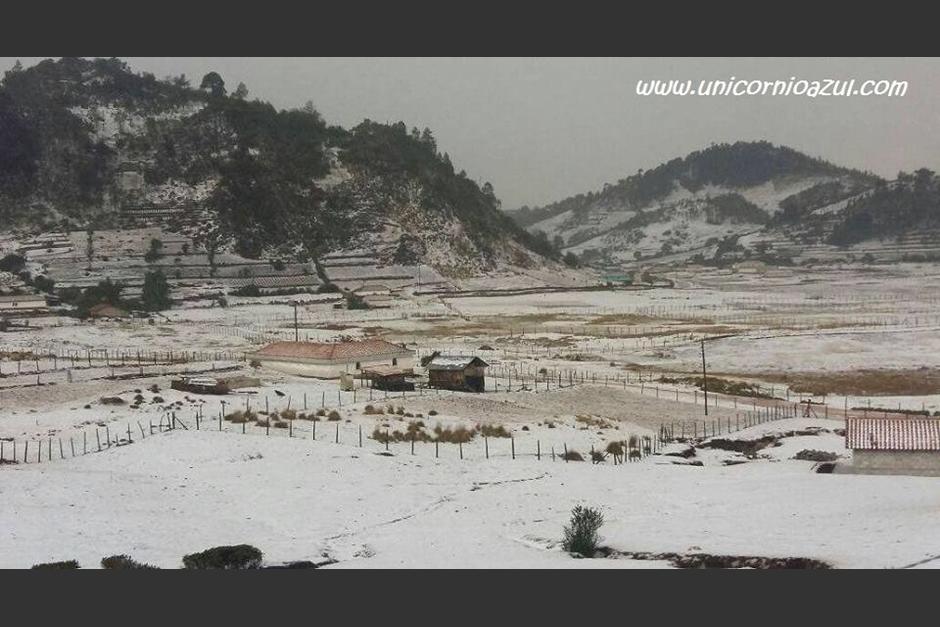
897,462
327,370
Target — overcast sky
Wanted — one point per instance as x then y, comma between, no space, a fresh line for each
543,129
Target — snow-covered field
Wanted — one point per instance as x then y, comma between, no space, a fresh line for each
586,368
296,499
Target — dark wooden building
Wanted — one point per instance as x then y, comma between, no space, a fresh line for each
388,378
457,372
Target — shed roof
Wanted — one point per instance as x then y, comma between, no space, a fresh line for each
454,362
332,351
893,434
387,371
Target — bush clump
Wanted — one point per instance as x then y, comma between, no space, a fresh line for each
238,557
572,456
581,533
811,455
456,435
333,416
494,431
239,416
124,562
66,565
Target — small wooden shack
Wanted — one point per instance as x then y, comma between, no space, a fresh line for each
388,378
457,372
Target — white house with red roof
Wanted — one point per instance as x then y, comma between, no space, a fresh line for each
895,446
329,360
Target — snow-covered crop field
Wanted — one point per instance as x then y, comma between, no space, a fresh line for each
569,370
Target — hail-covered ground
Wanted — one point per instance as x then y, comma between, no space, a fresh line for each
110,460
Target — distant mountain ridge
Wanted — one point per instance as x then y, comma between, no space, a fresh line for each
746,200
91,144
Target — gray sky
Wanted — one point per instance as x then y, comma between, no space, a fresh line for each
543,129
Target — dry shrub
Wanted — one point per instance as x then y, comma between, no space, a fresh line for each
614,448
371,410
433,412
495,431
414,432
598,457
591,421
321,412
263,422
456,435
281,424
288,414
333,416
572,456
239,417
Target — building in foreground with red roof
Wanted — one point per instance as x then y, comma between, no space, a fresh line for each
329,360
896,446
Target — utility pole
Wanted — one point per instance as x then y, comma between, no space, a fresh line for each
704,377
296,329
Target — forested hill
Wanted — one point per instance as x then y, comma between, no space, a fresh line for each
703,203
90,143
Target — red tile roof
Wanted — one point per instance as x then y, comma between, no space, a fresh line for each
899,434
332,351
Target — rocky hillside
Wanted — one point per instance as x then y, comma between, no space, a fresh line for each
89,144
724,203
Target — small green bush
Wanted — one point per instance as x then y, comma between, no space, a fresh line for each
238,557
581,534
124,562
66,565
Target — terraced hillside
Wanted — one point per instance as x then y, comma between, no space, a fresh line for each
98,147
